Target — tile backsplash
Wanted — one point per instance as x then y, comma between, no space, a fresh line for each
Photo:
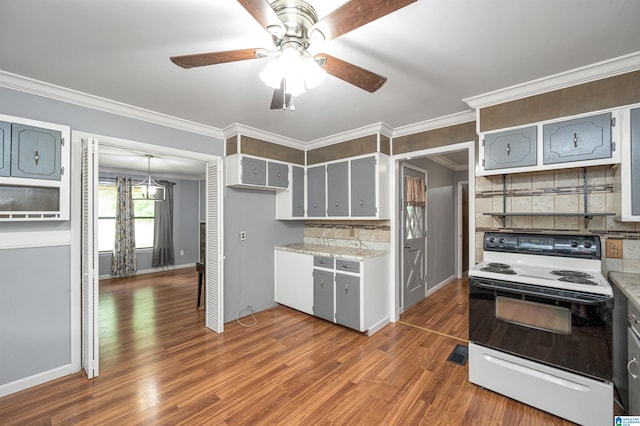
374,235
550,194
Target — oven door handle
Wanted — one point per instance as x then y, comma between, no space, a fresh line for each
593,299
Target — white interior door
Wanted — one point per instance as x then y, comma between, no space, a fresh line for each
213,263
90,290
414,243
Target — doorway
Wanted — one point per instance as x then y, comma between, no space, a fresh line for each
89,324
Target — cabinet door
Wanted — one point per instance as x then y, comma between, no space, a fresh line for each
316,188
5,148
634,370
278,174
348,300
338,189
635,161
35,152
512,148
363,187
323,294
587,138
254,171
297,191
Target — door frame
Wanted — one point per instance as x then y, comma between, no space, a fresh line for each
401,229
76,218
459,240
394,209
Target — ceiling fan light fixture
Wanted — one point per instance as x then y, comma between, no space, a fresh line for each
313,74
272,74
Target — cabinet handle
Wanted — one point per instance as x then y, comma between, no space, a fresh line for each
346,291
508,149
255,172
337,202
322,283
361,202
633,360
299,205
346,266
279,175
315,204
632,318
575,140
36,156
322,263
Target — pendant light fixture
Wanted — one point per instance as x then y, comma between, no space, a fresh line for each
148,189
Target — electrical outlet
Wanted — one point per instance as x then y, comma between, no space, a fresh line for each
243,235
614,249
181,252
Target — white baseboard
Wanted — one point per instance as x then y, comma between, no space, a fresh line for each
440,285
36,379
378,326
152,270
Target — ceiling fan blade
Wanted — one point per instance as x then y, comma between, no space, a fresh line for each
261,12
356,13
212,58
280,99
353,74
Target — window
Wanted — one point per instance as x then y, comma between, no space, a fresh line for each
144,215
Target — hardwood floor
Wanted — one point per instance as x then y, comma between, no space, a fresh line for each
160,365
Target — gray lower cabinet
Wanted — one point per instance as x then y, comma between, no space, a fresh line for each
363,187
634,374
635,161
338,189
278,174
512,148
35,152
323,294
580,139
316,192
348,300
5,148
297,191
254,171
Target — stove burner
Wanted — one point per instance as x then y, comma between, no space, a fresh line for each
577,280
498,268
571,274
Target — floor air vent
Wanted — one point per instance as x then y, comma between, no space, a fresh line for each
459,355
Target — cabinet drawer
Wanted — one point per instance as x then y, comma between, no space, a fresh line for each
587,138
513,148
347,266
5,148
278,174
323,262
35,152
254,171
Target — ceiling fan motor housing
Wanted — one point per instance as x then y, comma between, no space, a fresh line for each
298,17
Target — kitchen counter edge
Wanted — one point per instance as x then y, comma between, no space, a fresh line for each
350,253
628,283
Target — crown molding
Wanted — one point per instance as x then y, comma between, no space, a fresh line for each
436,123
443,161
71,96
241,129
371,129
586,74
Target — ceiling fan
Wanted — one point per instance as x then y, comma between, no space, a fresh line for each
294,27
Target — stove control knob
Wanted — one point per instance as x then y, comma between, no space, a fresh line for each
574,244
492,240
587,245
501,241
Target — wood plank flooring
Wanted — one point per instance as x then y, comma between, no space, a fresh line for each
160,365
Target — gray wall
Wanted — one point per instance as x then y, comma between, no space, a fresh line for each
441,221
185,227
35,284
248,265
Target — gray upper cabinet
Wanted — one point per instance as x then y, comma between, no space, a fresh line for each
580,139
348,300
363,187
635,161
297,191
254,171
35,152
5,148
278,174
323,294
316,192
512,148
338,189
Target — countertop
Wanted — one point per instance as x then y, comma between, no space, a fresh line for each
351,253
629,285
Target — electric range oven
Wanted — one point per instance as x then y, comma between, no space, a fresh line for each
540,324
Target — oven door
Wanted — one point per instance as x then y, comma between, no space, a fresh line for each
565,329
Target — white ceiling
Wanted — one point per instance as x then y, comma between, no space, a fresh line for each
434,52
116,159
